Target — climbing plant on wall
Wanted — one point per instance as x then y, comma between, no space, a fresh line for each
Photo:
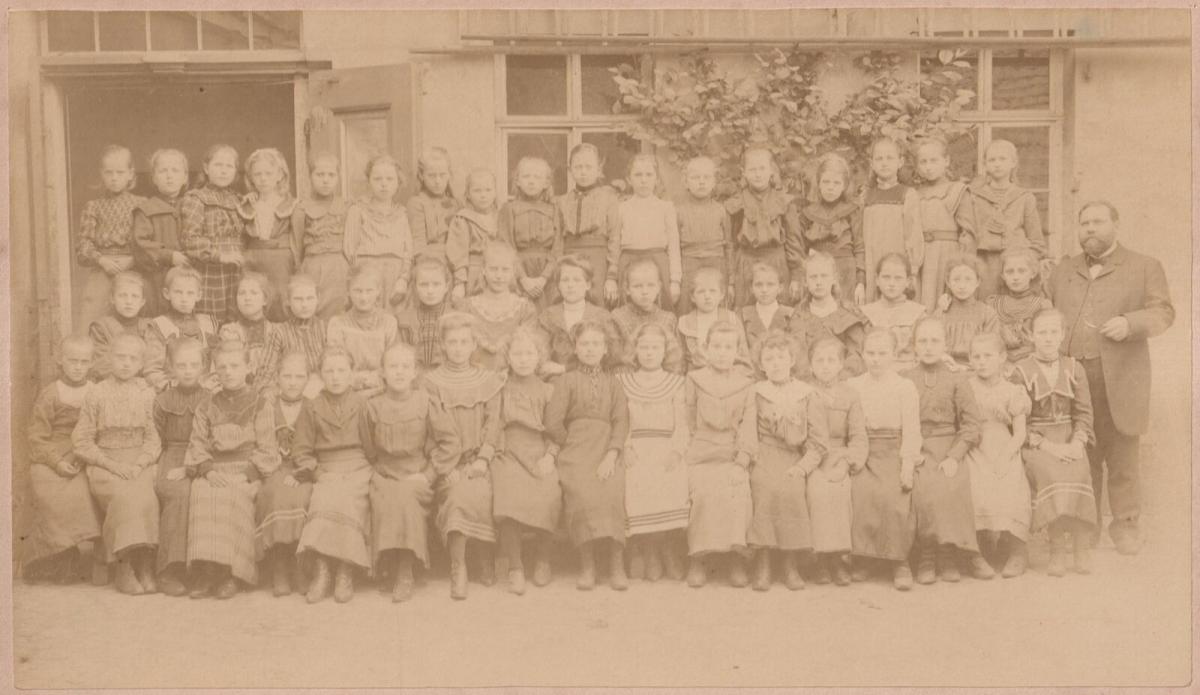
699,108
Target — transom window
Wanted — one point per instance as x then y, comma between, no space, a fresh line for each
90,32
550,103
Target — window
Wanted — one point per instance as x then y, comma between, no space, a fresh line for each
1018,98
89,32
551,103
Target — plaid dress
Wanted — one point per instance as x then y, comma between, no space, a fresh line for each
105,230
418,326
233,432
211,226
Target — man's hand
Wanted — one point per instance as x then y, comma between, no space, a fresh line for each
1116,328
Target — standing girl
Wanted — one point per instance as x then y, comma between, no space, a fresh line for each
1060,428
377,228
588,419
1002,214
766,314
883,524
705,230
431,209
417,324
252,329
156,246
556,322
105,245
656,481
831,224
401,489
497,310
320,225
304,332
649,228
174,413
707,296
946,225
757,217
792,441
64,513
999,488
829,503
723,420
117,439
272,245
332,447
365,330
465,403
232,448
1018,301
963,314
587,215
891,217
282,502
526,496
212,233
894,310
529,224
941,499
643,286
472,228
823,315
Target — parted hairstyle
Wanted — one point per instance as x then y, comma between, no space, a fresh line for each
178,273
110,150
128,277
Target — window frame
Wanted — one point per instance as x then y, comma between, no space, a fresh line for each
574,123
97,49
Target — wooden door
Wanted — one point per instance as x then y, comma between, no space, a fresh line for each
360,112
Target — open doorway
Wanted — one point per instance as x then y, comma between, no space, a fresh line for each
189,117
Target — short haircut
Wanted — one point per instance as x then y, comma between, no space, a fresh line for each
1112,209
178,273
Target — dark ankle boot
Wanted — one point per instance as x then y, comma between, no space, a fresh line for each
737,571
319,588
927,564
672,559
637,558
587,568
143,565
1059,547
99,564
654,559
617,579
697,574
948,564
343,582
762,570
227,586
486,552
205,580
791,571
127,582
841,574
402,587
281,584
542,571
1014,565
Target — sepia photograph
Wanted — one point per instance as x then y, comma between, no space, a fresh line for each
731,345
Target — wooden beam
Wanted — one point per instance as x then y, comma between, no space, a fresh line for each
712,43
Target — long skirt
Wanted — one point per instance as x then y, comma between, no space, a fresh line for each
533,262
173,501
942,505
830,509
690,266
338,515
597,256
221,525
218,286
990,280
933,271
1060,488
999,487
594,508
743,273
280,511
278,265
781,517
659,256
399,515
656,485
518,494
130,507
882,525
64,513
390,269
329,271
465,506
719,490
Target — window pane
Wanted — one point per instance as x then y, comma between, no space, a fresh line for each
275,30
1020,79
551,147
1033,151
122,31
959,71
633,22
173,31
536,85
586,22
225,31
617,148
964,156
364,135
600,92
70,31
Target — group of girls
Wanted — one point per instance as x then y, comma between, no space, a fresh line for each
319,380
